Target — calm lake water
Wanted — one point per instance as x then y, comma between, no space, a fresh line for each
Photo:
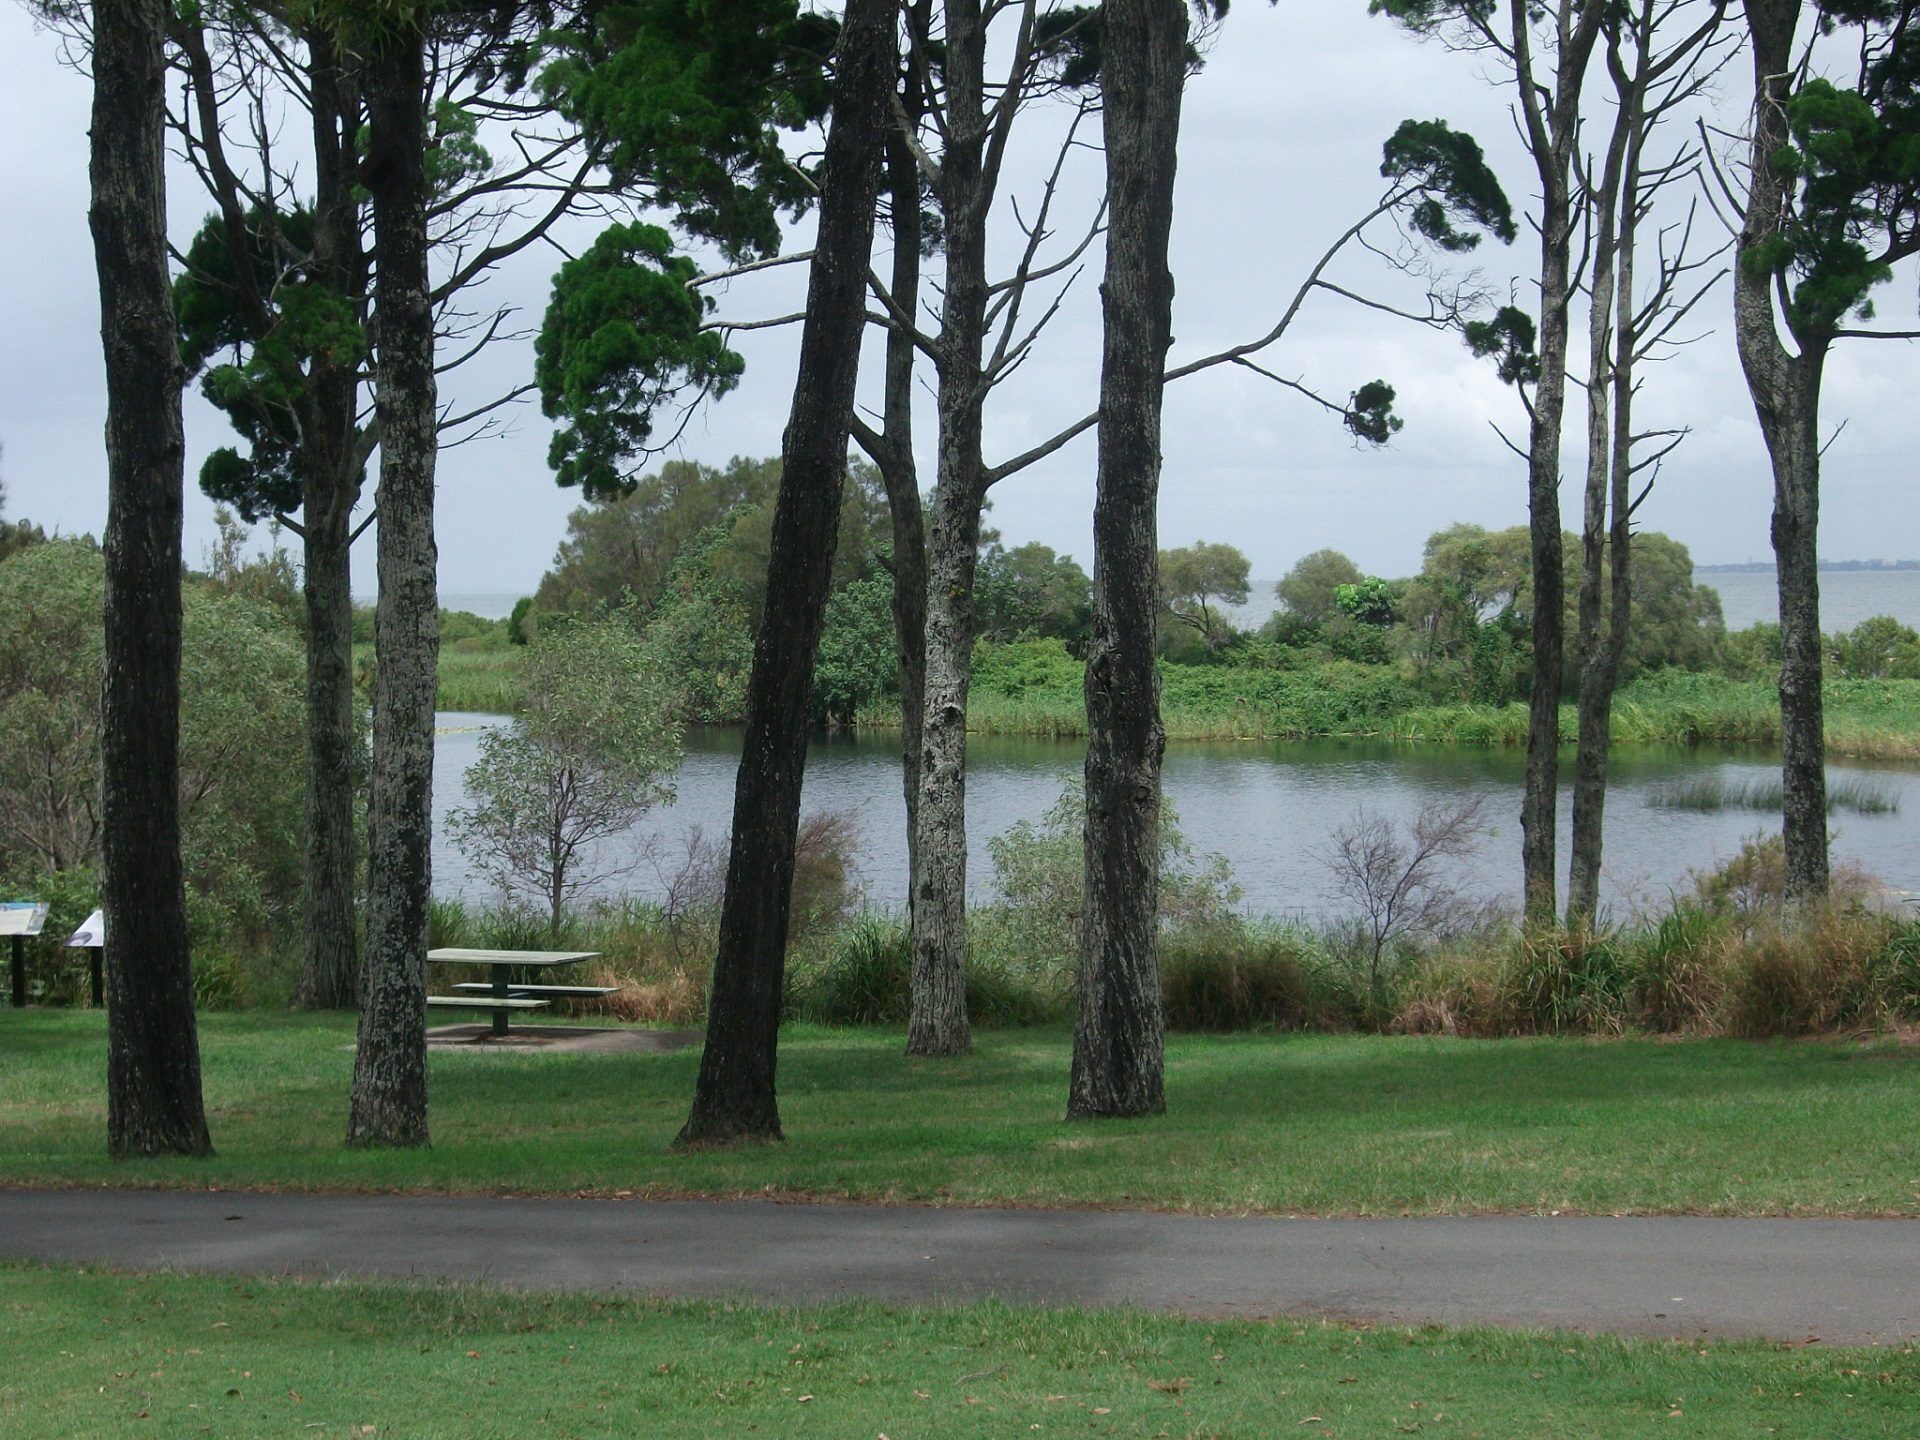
1268,808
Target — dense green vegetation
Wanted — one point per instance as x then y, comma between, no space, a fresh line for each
113,1355
1307,1124
1034,687
1719,962
1439,656
241,786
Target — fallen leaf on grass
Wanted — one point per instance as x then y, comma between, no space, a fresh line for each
1170,1387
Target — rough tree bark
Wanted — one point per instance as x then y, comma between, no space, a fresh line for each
330,488
1605,545
1785,387
937,1019
891,447
330,455
1551,124
389,1103
734,1097
154,1103
1119,1030
1624,328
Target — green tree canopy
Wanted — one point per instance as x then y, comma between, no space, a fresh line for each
1196,579
241,706
593,748
1029,593
686,103
1310,590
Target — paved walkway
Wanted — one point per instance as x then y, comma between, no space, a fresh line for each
1853,1282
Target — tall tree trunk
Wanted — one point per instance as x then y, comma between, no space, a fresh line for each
1601,626
1551,122
1119,1030
734,1096
330,487
937,1020
329,977
154,1103
1785,387
892,449
1539,803
389,1104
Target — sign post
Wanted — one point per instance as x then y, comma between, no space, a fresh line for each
92,937
19,919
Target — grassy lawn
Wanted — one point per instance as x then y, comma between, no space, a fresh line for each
1294,1124
107,1355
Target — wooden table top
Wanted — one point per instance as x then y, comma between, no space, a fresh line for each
510,957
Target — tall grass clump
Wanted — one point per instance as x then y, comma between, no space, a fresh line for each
487,682
864,978
862,975
1225,978
1729,959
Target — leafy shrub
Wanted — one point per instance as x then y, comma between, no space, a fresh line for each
1039,870
826,877
241,770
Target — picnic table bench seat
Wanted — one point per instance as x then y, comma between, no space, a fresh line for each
502,995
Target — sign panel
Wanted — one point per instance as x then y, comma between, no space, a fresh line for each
22,917
91,934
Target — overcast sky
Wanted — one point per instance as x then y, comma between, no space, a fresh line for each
1279,152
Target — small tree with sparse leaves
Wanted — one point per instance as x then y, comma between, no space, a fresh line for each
555,792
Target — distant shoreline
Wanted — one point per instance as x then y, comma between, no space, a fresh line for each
1766,567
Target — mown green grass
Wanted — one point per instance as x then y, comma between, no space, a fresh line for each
107,1355
1295,1124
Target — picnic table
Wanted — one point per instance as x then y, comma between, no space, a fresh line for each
503,995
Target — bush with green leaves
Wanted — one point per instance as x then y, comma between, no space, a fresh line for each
241,770
1039,870
858,663
594,746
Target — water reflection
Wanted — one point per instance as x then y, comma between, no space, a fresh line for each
1269,808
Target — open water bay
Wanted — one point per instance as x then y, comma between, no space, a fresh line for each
1270,809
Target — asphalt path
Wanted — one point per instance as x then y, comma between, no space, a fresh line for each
1843,1282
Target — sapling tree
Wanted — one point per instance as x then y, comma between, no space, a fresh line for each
591,750
1397,876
